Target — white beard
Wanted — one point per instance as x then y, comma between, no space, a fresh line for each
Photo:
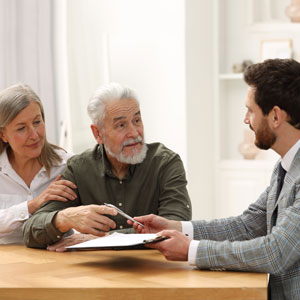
136,158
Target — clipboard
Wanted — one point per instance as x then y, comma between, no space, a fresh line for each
118,241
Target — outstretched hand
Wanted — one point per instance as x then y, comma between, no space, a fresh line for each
88,219
153,224
176,247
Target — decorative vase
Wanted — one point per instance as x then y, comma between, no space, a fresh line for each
293,11
247,148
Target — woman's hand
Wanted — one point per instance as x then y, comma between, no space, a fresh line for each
59,190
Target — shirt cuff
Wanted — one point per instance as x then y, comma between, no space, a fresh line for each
188,228
22,213
51,231
29,197
193,252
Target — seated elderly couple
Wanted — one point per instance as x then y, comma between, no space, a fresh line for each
46,193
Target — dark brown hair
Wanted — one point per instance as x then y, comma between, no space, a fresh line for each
276,83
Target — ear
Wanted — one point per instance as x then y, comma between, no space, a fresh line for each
277,116
2,136
97,134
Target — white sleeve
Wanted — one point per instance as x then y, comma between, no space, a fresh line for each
12,217
193,252
188,228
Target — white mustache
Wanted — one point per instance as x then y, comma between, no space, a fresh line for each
139,139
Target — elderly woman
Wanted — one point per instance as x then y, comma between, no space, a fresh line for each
29,165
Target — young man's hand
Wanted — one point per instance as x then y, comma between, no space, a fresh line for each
153,224
176,247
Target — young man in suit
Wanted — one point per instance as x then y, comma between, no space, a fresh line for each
266,237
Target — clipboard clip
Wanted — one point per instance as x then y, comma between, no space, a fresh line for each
156,240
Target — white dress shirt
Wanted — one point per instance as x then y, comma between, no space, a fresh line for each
14,195
187,227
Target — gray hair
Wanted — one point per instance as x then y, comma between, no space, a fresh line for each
105,94
12,101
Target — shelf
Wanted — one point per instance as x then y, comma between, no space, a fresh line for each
231,76
278,27
238,34
242,164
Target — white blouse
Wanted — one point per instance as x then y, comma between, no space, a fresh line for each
14,195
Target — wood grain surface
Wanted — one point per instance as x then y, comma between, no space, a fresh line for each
33,274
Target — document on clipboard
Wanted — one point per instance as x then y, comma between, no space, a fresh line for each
119,241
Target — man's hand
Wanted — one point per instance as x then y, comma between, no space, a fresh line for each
73,239
59,190
153,223
86,219
176,247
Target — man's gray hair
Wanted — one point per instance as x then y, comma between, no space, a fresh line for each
105,94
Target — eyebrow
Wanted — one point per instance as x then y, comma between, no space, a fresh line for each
22,123
120,118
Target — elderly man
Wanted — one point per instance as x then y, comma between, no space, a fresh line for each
121,170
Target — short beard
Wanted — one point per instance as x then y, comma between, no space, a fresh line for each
265,139
136,158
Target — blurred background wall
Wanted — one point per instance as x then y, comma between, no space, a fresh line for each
177,54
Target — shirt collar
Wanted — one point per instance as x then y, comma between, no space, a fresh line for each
4,162
5,165
289,156
107,166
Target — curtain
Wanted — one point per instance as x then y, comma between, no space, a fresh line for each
26,52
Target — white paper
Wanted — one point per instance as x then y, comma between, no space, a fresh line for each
115,240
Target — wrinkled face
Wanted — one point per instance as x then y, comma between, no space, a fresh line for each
26,133
264,137
123,132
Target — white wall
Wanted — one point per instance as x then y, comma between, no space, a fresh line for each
61,70
146,52
199,100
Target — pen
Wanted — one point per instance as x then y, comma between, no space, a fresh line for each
157,239
123,214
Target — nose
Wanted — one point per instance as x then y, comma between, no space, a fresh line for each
33,134
246,119
132,131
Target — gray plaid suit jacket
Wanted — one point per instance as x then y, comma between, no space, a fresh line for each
250,243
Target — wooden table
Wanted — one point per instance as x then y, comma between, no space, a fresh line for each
137,274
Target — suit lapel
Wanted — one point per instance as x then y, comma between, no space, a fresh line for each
285,196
